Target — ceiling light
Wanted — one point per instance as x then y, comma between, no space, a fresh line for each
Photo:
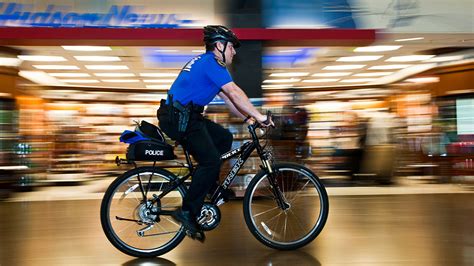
359,58
42,58
319,80
280,80
70,75
409,58
159,81
10,61
290,74
96,58
121,80
158,87
385,67
445,58
158,75
377,48
410,39
373,74
198,51
356,80
424,80
343,67
106,67
39,77
332,74
114,75
87,48
79,80
56,67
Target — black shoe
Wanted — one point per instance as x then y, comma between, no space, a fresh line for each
191,227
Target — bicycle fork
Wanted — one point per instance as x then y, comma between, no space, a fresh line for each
275,188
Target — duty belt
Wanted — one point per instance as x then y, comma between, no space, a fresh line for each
190,107
184,112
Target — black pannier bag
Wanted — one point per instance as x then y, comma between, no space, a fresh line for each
147,143
151,131
149,150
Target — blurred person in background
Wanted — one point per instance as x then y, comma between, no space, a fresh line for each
379,155
180,117
289,136
350,139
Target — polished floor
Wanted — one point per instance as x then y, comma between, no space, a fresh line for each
418,229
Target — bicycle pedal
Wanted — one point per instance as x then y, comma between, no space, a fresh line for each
188,233
196,235
200,236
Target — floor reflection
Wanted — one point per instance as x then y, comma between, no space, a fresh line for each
434,229
294,257
149,262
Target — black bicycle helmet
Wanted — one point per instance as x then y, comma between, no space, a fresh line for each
214,33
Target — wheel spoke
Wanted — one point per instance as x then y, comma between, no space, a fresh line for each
299,190
258,214
298,221
264,205
276,216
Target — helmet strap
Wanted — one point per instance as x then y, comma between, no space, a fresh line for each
223,51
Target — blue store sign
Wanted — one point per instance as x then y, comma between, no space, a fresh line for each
126,16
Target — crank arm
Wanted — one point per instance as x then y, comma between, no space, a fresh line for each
162,212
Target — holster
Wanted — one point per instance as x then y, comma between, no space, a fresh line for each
183,116
184,113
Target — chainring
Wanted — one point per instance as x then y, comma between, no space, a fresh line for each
210,216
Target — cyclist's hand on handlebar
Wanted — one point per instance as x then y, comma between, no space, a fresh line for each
267,120
250,121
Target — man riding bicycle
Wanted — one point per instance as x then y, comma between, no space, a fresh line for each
180,117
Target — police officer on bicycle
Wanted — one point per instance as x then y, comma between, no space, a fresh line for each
180,117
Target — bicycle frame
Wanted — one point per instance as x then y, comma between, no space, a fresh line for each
243,153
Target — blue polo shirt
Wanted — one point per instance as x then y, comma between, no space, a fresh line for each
200,80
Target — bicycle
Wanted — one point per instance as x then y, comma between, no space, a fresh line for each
285,204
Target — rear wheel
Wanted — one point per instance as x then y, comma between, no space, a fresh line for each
131,223
303,219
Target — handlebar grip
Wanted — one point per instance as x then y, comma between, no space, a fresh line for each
269,118
266,122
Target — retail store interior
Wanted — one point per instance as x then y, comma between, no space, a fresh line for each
375,97
398,110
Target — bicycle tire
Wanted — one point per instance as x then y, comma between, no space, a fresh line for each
258,196
111,226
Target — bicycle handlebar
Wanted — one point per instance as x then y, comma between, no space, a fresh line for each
269,120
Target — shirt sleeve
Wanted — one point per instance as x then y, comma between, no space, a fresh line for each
217,73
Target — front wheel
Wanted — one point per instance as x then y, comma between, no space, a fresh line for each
305,210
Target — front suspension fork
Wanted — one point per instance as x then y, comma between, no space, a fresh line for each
275,188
